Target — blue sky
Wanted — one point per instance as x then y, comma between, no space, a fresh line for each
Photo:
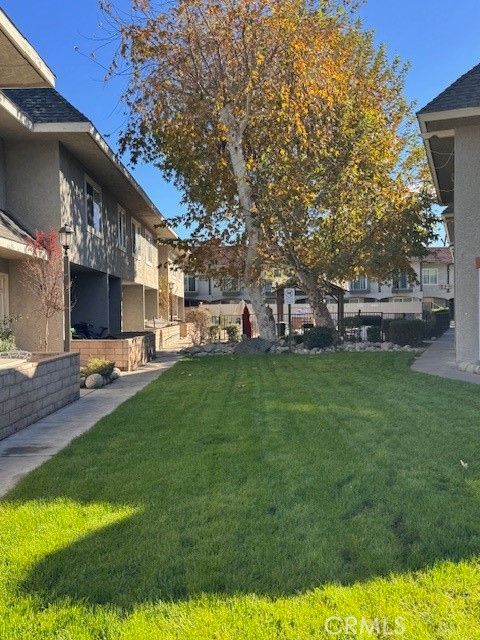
440,38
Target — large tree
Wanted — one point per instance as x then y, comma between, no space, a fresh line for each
281,124
207,91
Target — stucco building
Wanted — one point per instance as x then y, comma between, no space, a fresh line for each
55,169
450,126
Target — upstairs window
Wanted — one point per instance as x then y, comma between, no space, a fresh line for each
136,238
190,284
359,284
401,282
149,248
429,276
121,228
93,197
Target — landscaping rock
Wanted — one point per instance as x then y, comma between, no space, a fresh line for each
115,374
94,381
386,346
82,382
253,345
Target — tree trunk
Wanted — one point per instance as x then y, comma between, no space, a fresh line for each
235,130
316,298
45,341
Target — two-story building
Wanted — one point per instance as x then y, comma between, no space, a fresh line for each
55,169
432,287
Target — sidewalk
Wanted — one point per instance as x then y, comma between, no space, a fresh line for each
439,360
27,449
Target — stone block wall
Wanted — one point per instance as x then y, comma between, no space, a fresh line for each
32,390
129,351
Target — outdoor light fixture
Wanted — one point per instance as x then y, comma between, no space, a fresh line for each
65,235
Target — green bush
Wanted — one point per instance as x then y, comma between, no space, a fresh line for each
319,337
233,332
362,321
374,334
386,328
7,339
214,332
98,365
407,332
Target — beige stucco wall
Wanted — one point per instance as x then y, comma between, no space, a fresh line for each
32,183
133,307
2,175
467,241
101,252
30,326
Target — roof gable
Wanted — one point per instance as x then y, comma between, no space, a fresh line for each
464,93
44,105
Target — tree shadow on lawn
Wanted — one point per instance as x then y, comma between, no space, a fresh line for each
229,512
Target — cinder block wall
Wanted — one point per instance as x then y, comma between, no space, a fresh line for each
128,353
32,390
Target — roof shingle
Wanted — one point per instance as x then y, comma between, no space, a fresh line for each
462,94
44,105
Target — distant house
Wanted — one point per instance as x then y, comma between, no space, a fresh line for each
450,126
433,287
56,168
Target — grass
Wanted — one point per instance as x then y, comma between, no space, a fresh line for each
254,498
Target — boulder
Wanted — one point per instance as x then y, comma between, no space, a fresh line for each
387,346
94,381
253,345
82,382
115,374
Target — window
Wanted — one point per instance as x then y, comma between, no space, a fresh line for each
401,282
121,228
93,205
429,276
230,284
149,243
190,284
359,284
136,238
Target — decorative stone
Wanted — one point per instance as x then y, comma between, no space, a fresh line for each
115,374
82,382
386,346
94,381
253,345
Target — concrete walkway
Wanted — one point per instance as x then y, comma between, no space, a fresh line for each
439,360
27,449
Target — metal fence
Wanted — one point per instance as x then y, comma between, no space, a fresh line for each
299,323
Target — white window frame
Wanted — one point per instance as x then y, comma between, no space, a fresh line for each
93,229
429,271
136,238
6,311
148,248
397,282
121,228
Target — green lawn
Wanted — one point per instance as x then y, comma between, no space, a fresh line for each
255,497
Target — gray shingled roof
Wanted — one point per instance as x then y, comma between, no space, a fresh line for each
462,94
44,105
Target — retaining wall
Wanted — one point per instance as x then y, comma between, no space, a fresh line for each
32,390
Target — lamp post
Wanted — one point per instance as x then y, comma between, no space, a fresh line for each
171,287
65,234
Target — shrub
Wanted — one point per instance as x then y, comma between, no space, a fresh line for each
233,332
214,332
201,319
98,365
362,321
7,339
385,327
319,337
374,334
407,332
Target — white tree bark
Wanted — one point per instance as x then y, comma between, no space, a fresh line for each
252,273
